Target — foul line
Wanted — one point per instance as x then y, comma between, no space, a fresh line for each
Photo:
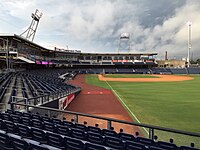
126,107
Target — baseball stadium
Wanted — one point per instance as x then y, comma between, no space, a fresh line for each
71,100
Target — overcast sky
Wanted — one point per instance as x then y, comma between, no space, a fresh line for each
95,25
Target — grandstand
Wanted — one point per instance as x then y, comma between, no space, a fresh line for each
35,88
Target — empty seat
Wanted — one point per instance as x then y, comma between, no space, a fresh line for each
36,116
56,121
126,136
166,145
145,141
26,121
5,116
64,130
27,114
68,124
107,132
80,126
114,142
74,144
49,126
10,127
45,118
38,135
18,113
15,118
55,140
188,148
5,143
95,137
92,146
131,145
78,133
24,131
38,147
37,123
94,129
19,144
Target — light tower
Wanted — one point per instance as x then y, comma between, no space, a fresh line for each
189,42
29,34
124,42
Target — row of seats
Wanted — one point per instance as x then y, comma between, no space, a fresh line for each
91,134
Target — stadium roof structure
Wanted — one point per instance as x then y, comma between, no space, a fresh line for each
32,44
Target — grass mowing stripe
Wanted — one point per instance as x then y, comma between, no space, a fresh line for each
126,106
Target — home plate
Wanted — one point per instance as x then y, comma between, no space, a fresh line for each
88,92
101,92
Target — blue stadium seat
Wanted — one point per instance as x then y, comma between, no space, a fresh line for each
10,127
187,148
126,137
15,118
55,140
24,131
37,123
94,129
19,144
145,141
38,135
27,114
114,142
131,145
166,145
107,132
2,125
78,133
49,126
63,130
5,116
68,124
95,138
56,121
5,143
74,144
37,147
92,146
26,121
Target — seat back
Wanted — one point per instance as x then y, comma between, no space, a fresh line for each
74,144
26,121
92,146
94,129
107,132
114,142
19,144
37,123
24,131
38,135
77,133
55,140
63,130
130,145
95,137
49,126
10,127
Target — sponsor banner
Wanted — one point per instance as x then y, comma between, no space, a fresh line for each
64,102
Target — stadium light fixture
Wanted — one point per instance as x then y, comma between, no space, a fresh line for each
189,24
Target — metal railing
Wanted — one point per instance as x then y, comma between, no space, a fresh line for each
166,134
45,98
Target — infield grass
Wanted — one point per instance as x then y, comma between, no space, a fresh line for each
167,104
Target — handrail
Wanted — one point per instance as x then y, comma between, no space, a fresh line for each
114,120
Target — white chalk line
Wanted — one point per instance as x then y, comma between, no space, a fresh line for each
126,106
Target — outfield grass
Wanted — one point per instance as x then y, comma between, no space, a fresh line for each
128,76
167,104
